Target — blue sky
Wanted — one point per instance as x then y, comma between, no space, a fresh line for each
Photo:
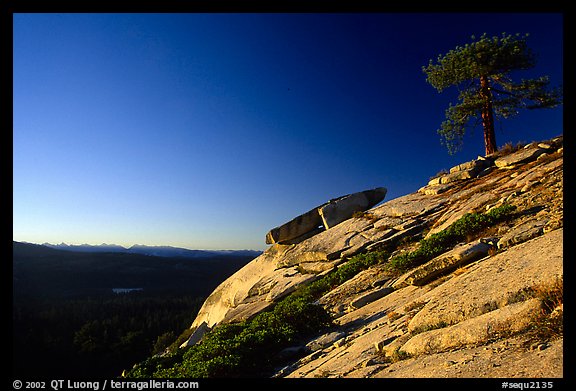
206,130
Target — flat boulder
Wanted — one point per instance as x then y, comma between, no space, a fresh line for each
442,264
476,165
523,232
324,216
509,319
325,340
522,156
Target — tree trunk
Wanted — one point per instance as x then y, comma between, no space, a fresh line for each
487,116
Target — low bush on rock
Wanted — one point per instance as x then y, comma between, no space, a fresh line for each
443,241
550,322
241,349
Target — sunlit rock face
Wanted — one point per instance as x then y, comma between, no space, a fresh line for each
457,298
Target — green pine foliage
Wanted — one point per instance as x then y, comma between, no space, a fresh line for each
481,70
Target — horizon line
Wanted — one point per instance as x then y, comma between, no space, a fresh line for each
134,245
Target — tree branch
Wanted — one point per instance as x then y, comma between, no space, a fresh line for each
502,91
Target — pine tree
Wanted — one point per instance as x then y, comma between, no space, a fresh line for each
481,72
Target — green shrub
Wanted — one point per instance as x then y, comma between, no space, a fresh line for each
444,240
353,266
242,349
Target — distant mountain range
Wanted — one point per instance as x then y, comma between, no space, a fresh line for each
157,251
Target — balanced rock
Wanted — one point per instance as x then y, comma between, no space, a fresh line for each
324,216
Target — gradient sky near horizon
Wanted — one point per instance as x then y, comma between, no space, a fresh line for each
204,131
